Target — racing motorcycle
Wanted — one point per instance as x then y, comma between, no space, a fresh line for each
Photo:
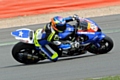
93,40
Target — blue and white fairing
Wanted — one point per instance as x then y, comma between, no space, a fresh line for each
68,31
24,34
93,22
21,33
93,37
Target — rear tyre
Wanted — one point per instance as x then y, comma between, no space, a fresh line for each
20,53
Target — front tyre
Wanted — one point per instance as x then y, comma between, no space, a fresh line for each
106,45
22,52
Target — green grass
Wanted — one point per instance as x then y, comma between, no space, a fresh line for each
106,78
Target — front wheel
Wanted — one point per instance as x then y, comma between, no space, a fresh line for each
23,52
106,45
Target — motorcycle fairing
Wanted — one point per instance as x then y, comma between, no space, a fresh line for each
93,37
92,22
21,33
24,35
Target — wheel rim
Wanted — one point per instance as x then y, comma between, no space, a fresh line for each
105,45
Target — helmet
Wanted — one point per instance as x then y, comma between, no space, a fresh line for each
58,23
83,24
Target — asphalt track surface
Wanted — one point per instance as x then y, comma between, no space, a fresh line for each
70,68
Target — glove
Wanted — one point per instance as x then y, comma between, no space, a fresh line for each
75,17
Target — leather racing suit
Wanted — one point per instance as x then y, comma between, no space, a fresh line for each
51,35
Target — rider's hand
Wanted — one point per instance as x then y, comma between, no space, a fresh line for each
75,17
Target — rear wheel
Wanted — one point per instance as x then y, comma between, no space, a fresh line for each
106,44
23,53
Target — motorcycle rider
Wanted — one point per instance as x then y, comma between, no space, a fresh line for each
57,25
